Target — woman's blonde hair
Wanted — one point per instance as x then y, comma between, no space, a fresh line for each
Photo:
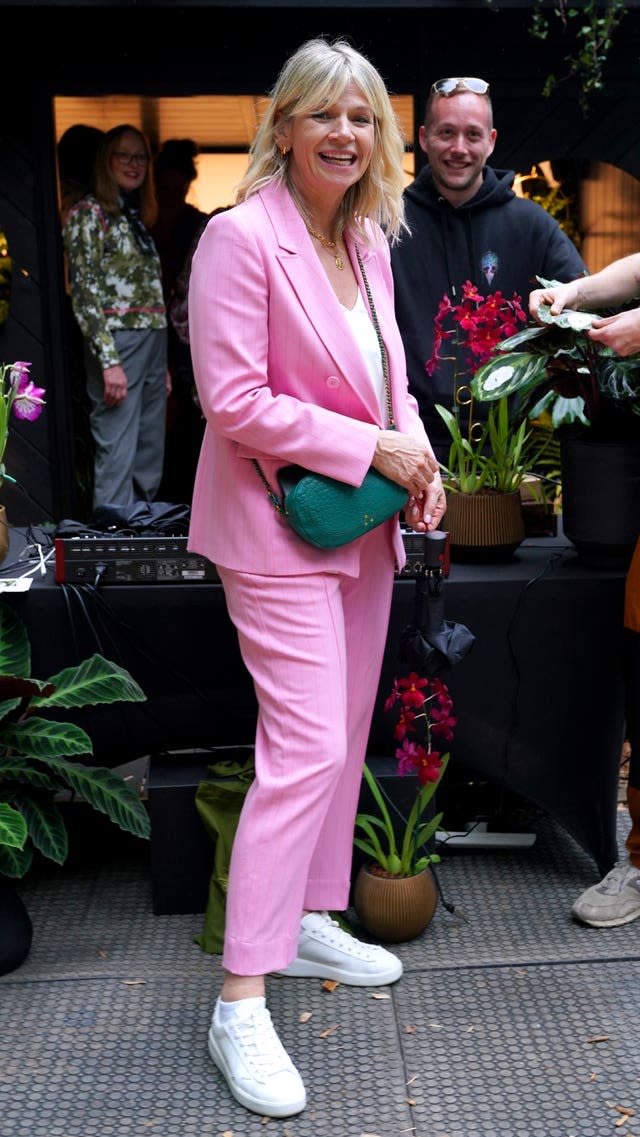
315,77
107,190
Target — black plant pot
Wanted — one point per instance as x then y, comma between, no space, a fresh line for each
601,492
16,931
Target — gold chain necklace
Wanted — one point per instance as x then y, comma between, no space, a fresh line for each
328,245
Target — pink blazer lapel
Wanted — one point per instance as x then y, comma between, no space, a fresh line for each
315,295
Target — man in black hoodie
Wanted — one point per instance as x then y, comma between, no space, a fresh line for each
466,224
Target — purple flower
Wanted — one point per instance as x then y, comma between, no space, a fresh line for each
28,401
20,394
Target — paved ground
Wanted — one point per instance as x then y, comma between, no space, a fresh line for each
510,1020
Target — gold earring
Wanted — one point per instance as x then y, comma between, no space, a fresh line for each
284,150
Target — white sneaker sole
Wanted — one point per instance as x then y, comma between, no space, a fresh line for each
255,1104
308,969
612,922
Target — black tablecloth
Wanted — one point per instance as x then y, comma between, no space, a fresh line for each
539,699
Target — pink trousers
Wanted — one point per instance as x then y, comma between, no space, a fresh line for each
314,646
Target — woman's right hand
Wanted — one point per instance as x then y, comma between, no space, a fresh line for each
115,385
405,460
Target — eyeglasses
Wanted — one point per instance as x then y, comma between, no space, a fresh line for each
448,86
130,159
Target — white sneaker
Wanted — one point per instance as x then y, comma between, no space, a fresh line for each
258,1070
614,901
325,951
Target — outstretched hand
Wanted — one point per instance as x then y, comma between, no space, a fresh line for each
620,332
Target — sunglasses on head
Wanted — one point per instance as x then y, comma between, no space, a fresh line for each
448,86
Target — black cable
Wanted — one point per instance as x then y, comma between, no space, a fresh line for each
75,591
145,650
66,592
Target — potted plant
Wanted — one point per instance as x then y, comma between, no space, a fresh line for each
487,461
593,398
483,480
395,894
18,394
35,765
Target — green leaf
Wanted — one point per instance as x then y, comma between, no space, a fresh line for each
42,739
95,681
13,827
106,791
505,374
46,827
15,653
385,816
530,332
374,850
15,862
7,706
19,769
576,321
428,829
619,378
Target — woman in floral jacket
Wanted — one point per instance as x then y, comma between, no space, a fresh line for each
116,293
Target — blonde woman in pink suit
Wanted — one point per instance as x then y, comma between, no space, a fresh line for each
288,367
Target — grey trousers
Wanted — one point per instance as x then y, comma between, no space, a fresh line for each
129,439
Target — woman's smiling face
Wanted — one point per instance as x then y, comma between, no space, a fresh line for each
330,148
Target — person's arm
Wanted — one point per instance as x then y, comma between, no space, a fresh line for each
84,237
613,285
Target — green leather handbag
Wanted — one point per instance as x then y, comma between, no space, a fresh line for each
328,513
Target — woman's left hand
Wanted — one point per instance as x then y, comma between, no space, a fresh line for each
427,510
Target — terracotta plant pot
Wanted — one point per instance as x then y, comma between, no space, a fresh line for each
484,527
394,908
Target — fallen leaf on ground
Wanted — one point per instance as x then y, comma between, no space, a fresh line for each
304,1017
411,1101
330,984
408,1029
329,1030
626,1109
380,995
599,1038
134,982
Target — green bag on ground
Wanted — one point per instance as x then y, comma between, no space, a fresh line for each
219,803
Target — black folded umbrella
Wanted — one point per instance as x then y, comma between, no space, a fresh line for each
430,643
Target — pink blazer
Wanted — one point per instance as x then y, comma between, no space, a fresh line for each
280,378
